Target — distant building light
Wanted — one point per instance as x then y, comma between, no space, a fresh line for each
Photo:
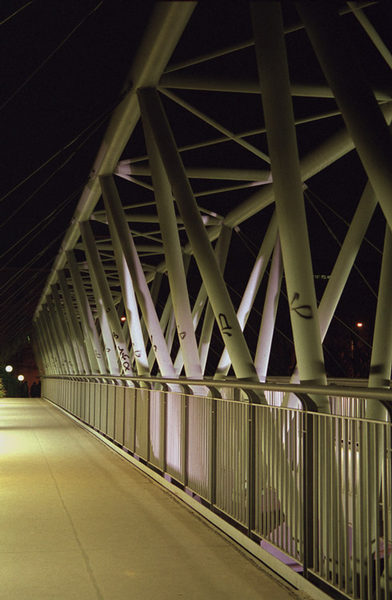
359,324
9,368
21,377
123,319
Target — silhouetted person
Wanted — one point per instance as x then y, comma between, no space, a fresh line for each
35,390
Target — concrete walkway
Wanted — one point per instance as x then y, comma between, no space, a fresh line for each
77,521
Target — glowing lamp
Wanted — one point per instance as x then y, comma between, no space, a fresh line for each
359,324
123,319
21,377
9,368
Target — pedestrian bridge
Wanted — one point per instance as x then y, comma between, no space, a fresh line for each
205,294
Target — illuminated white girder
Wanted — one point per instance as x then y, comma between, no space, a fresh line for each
278,114
174,258
113,205
116,349
204,255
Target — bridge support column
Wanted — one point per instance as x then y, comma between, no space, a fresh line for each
288,191
151,109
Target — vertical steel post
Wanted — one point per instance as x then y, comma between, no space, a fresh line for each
74,326
91,336
363,117
173,257
264,342
288,190
117,350
118,226
226,318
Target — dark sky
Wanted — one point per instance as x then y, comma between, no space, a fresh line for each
63,68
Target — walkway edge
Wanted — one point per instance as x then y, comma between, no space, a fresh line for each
285,573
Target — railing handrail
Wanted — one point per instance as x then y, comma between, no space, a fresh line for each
382,394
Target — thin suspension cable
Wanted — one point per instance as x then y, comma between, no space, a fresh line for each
26,200
47,59
357,269
15,13
339,216
49,218
21,271
101,118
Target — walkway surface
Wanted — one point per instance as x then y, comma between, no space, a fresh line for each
77,521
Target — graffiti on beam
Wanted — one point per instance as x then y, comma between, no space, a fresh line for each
153,345
125,360
224,324
302,310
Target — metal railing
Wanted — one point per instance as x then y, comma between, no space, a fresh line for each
313,489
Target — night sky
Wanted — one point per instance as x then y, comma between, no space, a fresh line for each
63,69
64,65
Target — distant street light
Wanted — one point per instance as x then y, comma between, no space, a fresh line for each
9,368
359,324
21,377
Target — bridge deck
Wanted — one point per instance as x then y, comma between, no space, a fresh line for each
78,521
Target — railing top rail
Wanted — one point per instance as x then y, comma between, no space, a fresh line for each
385,395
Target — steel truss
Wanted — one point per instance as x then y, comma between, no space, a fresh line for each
165,220
139,287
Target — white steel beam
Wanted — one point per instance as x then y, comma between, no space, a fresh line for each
202,250
113,206
252,288
130,305
288,189
173,256
76,333
361,113
115,346
64,332
221,251
267,327
248,86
